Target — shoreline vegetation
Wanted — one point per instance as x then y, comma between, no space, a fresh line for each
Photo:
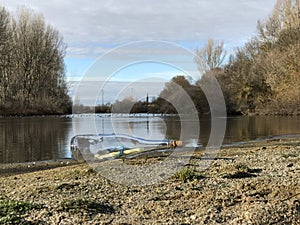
259,78
254,183
32,72
257,183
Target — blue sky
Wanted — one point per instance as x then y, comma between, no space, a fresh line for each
93,28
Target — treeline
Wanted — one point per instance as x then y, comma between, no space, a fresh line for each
32,70
262,77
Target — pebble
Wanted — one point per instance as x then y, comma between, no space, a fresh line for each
209,200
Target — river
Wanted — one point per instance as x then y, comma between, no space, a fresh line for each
29,139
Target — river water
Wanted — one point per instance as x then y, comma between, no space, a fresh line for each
30,139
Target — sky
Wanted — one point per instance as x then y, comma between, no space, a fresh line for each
119,34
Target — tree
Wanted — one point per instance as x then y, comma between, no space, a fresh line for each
5,56
124,106
180,94
209,61
211,56
285,16
33,70
263,76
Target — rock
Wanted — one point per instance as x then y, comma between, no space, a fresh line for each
74,194
193,217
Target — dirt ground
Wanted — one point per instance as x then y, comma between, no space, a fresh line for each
254,184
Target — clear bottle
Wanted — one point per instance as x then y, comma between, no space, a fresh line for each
111,146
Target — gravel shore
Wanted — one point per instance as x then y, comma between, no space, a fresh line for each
254,184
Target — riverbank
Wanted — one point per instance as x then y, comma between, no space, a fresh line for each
9,169
258,183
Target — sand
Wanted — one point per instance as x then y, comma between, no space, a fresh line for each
258,183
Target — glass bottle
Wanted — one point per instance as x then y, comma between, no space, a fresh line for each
110,146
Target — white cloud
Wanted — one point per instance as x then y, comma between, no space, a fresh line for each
108,21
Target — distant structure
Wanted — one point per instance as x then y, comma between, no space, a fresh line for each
102,93
147,103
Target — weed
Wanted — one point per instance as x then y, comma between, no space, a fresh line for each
11,210
242,168
288,155
187,174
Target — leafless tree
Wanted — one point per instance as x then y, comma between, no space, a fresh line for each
5,55
211,56
33,71
285,15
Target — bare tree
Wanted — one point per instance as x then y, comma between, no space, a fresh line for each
211,56
285,15
5,55
263,76
32,67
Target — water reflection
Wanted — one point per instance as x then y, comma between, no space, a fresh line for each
240,129
256,127
47,138
34,139
148,127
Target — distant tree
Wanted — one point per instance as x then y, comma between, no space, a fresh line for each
140,107
124,106
6,55
209,61
33,70
285,16
263,76
243,82
211,56
175,94
171,94
40,66
102,108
